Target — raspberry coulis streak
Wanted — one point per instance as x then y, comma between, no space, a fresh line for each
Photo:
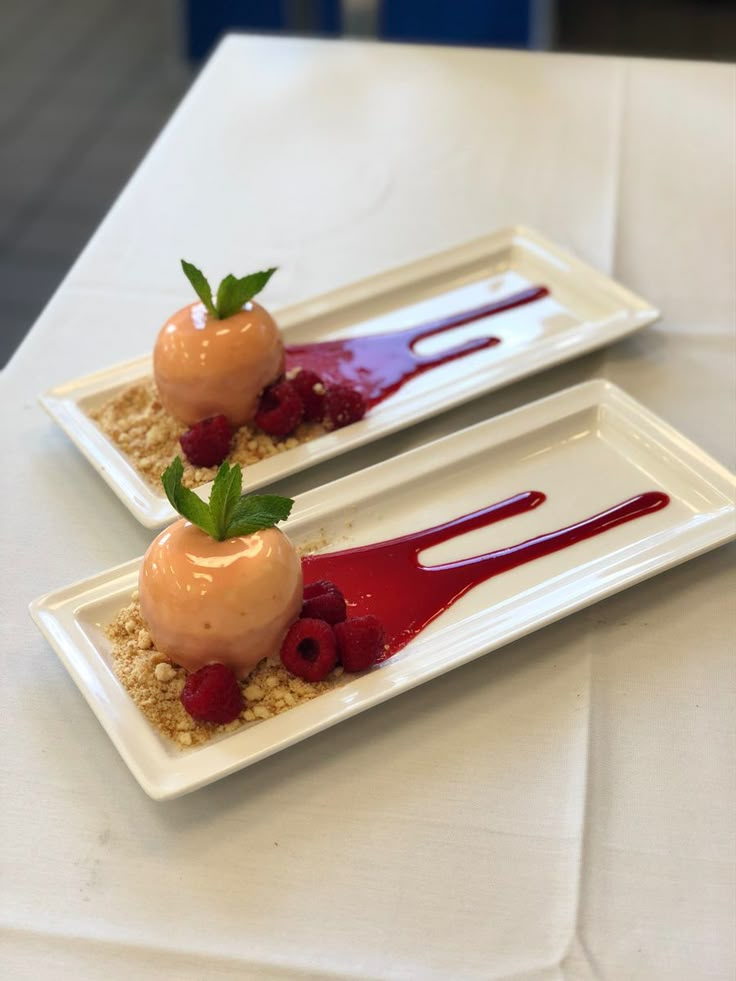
377,365
387,579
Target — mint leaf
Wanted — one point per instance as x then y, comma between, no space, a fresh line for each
233,293
226,492
256,512
186,501
201,286
226,295
227,515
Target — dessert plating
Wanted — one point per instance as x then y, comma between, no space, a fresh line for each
220,596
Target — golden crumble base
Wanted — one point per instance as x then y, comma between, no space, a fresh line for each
155,684
136,421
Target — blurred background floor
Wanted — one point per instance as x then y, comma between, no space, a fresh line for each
87,85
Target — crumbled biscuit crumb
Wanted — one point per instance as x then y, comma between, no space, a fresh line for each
313,545
155,684
164,672
136,421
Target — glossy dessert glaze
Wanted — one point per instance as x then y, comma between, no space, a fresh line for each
229,601
388,580
377,365
206,367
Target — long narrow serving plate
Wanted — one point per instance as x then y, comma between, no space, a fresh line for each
583,311
587,449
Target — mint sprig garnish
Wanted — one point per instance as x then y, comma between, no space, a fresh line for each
232,293
201,287
256,512
228,514
186,501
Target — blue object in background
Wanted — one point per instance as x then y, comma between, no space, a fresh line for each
500,23
208,20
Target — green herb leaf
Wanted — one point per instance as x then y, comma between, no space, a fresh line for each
186,501
234,293
227,515
256,512
226,291
201,286
226,491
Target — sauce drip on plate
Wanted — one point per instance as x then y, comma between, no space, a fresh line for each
377,365
388,580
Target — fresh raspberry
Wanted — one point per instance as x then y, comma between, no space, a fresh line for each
309,650
208,442
324,601
212,694
312,393
343,405
280,410
312,589
360,642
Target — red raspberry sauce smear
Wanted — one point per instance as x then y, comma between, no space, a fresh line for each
387,580
377,365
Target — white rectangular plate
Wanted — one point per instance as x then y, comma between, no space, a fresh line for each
587,448
584,310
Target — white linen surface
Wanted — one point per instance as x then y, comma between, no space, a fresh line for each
563,808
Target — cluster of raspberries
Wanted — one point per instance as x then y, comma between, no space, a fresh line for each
321,638
282,406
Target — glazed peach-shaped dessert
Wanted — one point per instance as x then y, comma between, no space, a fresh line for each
222,584
216,356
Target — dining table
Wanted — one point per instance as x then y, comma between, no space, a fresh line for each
563,807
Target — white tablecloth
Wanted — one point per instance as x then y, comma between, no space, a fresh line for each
563,808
